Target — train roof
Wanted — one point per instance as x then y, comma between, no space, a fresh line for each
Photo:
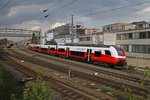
44,46
88,45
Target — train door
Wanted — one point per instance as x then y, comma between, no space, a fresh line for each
67,52
89,51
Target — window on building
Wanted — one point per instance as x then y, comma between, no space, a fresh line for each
88,38
148,49
142,35
125,48
140,25
104,29
108,28
148,35
136,35
61,50
134,49
81,39
123,27
130,35
123,36
141,48
97,53
118,36
107,52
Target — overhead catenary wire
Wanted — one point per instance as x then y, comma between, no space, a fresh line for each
46,9
5,5
62,7
104,11
110,10
52,6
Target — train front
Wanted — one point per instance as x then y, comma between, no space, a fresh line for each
120,57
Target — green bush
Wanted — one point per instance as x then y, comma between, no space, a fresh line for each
37,91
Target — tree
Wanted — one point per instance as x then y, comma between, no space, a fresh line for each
38,91
34,39
52,42
144,78
3,41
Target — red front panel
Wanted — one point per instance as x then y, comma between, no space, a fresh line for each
107,59
104,58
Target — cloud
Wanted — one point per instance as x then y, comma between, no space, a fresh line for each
146,10
57,24
45,25
26,9
21,13
37,24
82,19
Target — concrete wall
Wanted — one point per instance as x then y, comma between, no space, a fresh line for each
138,62
109,38
134,41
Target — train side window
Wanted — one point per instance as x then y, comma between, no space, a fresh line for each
61,50
52,49
107,52
97,54
81,53
44,49
77,53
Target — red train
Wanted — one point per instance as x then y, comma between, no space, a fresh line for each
110,55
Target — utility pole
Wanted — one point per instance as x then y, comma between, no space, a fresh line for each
72,35
72,20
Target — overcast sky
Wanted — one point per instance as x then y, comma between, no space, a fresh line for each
90,13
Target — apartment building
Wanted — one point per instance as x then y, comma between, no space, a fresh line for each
118,27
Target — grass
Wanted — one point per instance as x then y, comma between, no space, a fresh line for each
8,85
107,89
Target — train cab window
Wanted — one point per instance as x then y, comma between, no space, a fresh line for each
107,52
61,50
97,54
52,49
120,52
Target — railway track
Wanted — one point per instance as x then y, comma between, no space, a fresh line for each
63,88
119,74
103,79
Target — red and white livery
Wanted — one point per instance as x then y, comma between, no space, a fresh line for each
110,55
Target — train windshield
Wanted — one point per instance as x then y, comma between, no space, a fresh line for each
120,51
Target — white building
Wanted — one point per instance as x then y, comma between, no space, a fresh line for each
99,38
135,42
